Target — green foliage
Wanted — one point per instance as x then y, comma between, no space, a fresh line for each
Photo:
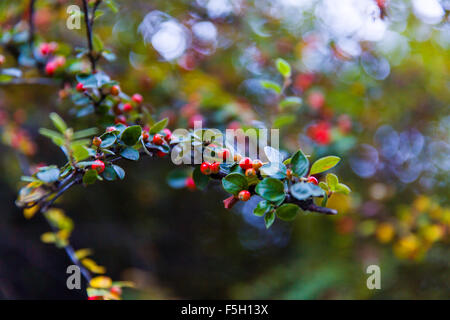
271,189
130,136
300,164
234,183
287,211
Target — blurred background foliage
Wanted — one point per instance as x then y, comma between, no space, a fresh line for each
373,80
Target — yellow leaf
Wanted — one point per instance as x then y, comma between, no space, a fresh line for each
101,282
29,213
48,237
83,253
93,266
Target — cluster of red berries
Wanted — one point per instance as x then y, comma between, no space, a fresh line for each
210,168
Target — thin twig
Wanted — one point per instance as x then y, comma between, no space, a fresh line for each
89,36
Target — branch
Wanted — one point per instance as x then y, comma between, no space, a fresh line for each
89,35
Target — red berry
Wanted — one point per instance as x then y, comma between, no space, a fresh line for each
145,135
215,167
121,119
158,139
161,154
168,134
50,68
312,179
127,107
99,166
205,168
80,87
246,163
95,298
97,141
110,129
244,195
115,90
224,154
116,290
190,183
44,48
137,98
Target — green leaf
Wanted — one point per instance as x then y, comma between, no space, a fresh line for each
332,181
177,178
85,133
290,102
58,122
80,152
262,208
300,164
303,190
342,188
157,127
234,183
287,212
201,181
110,174
112,5
119,171
90,176
56,137
283,120
283,67
271,189
97,43
108,139
269,219
130,154
324,200
324,186
324,164
270,85
130,136
48,174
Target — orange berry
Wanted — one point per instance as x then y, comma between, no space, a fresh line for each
257,164
97,141
250,172
115,90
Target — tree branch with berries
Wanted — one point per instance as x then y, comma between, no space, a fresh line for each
127,131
